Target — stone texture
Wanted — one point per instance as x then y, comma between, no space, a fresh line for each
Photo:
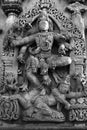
70,78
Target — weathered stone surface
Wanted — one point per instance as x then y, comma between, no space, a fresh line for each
43,64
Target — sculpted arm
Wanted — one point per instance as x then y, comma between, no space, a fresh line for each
75,95
24,41
58,37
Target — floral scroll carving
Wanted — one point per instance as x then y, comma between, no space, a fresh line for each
9,109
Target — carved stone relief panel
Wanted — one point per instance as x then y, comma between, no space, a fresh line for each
43,64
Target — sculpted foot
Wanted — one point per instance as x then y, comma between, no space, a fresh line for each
67,106
57,115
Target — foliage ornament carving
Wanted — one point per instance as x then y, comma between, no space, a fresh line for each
9,109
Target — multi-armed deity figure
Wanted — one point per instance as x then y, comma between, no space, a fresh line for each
41,55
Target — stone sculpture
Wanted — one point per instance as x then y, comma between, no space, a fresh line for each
37,78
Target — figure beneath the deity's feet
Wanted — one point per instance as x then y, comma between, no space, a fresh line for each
39,103
35,102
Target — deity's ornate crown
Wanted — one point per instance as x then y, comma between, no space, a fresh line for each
45,3
43,15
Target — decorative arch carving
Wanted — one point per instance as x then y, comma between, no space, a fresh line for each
66,25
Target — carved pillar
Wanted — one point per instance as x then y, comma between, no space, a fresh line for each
78,20
76,16
79,107
79,65
1,63
11,8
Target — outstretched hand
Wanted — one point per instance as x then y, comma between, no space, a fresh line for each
20,59
13,43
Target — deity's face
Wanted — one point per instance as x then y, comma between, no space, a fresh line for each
43,25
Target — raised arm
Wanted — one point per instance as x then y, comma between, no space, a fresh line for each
59,37
75,95
24,41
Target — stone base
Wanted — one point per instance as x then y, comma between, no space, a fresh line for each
43,126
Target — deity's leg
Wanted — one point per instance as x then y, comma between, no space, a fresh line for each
55,61
31,69
33,79
21,54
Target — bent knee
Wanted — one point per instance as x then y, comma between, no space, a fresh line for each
69,60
